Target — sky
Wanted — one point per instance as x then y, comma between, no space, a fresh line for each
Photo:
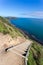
22,8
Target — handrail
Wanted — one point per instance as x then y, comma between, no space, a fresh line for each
27,54
25,57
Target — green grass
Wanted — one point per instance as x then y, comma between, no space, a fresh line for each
36,54
7,28
3,28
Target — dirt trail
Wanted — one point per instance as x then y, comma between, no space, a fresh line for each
10,58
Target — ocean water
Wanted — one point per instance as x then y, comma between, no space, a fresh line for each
31,25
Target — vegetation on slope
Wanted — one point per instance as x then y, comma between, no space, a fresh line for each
36,51
36,54
7,28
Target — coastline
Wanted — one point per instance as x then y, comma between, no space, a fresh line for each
32,37
33,33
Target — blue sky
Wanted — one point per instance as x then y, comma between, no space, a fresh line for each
21,8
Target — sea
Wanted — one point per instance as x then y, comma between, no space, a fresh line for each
33,26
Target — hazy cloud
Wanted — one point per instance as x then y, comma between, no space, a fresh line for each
38,14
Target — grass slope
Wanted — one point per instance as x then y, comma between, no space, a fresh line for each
36,51
7,28
36,54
